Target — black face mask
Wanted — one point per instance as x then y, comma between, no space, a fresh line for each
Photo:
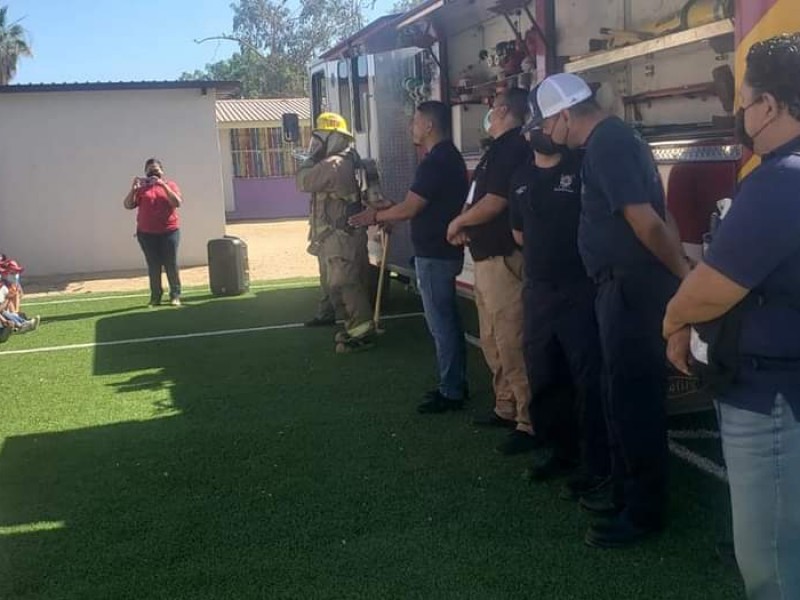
543,144
741,132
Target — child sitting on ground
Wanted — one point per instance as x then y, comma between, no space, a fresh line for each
11,270
10,319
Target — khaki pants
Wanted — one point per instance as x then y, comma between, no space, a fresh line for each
498,293
329,307
347,269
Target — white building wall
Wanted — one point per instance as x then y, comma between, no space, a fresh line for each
226,156
67,160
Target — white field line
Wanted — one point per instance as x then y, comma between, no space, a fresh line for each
706,465
93,298
182,336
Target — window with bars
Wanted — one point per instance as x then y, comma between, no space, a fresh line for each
261,152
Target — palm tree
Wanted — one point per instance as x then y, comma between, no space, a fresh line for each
12,46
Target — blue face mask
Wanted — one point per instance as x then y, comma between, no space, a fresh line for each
486,121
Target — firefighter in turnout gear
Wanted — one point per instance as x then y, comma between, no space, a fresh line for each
336,179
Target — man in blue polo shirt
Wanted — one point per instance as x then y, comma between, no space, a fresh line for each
637,262
435,198
750,283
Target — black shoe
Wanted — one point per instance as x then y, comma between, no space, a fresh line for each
436,403
553,468
518,442
492,420
154,302
320,322
619,532
5,333
581,486
601,502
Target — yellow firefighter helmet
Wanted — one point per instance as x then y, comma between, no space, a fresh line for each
329,121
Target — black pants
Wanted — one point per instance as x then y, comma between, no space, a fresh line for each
161,253
630,311
562,355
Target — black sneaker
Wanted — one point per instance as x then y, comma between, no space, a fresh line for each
436,403
320,322
553,468
5,333
154,302
619,532
518,442
491,419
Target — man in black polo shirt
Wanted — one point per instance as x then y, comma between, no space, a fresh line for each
434,199
484,225
637,262
562,347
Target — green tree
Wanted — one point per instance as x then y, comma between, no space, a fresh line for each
401,6
277,45
13,45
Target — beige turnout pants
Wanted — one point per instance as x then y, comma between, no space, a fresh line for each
498,293
347,272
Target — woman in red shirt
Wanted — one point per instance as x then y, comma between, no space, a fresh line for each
157,200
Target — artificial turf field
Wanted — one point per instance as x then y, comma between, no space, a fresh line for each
259,464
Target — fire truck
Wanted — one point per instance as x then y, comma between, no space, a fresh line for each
670,68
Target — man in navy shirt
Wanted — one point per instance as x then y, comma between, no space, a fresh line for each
752,269
562,348
637,262
435,198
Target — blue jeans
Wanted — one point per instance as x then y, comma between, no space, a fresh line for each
762,453
13,317
161,252
436,281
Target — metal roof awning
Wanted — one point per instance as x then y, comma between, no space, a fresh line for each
418,13
378,28
454,16
260,110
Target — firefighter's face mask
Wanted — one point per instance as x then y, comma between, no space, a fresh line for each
337,143
317,146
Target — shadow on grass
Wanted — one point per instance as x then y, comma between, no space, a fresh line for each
78,316
273,468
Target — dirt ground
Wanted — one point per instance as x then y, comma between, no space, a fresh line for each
275,249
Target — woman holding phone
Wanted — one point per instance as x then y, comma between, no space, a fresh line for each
157,200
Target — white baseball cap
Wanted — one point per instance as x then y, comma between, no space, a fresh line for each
554,94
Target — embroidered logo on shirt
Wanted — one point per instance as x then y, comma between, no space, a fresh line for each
566,184
521,190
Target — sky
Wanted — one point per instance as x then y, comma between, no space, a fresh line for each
123,40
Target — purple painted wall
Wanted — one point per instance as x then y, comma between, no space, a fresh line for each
268,198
